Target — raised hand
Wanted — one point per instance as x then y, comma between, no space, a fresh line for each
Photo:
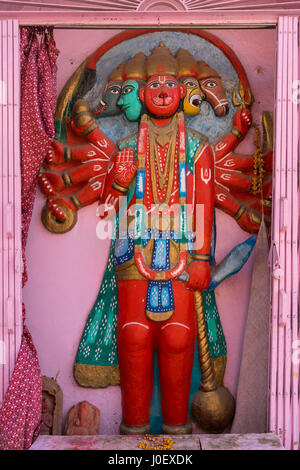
125,167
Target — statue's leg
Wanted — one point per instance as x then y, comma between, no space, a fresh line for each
175,358
135,350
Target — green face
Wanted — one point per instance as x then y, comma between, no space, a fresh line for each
129,101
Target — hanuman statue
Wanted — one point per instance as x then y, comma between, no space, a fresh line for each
160,193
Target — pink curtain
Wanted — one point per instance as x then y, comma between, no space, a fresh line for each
20,414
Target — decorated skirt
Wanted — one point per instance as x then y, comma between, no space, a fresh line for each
96,362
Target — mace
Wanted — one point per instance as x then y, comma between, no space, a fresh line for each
213,405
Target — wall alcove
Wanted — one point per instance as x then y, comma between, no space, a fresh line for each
66,270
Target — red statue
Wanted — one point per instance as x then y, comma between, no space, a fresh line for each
166,167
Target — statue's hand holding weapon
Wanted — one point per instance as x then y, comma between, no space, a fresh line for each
242,121
213,405
199,275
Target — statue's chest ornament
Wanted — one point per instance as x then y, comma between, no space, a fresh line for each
145,151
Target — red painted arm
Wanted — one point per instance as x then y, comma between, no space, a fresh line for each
199,270
241,124
204,200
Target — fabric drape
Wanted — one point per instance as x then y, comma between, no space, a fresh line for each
20,414
252,396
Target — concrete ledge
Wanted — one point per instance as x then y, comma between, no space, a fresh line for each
188,442
240,442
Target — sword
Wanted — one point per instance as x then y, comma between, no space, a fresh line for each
231,264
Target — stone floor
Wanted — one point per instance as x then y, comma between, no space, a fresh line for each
188,442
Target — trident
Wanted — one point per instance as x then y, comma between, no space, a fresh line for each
243,101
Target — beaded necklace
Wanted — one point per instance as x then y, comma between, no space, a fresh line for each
140,216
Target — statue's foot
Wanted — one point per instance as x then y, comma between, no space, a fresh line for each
134,430
182,429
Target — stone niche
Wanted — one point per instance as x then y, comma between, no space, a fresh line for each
52,403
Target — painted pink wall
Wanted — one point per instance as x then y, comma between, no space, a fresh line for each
65,270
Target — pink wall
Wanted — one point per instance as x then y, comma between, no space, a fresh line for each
65,270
